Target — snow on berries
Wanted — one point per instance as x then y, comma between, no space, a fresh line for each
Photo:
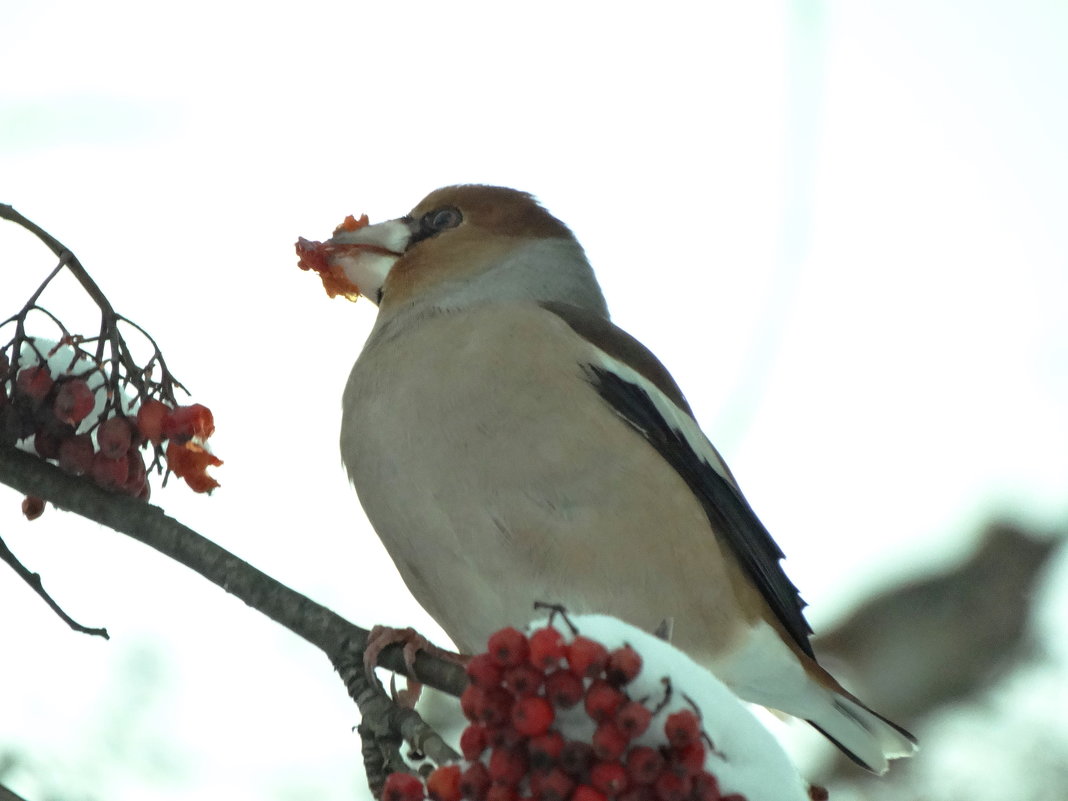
554,716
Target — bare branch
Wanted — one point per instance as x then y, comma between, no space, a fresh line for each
34,580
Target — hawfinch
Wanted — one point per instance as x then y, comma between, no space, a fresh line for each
509,444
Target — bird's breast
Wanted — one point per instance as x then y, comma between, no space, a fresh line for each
496,476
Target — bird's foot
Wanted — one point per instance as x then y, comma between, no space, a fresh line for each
382,637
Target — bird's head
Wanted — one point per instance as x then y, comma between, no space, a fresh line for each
460,245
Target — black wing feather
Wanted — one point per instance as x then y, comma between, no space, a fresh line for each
733,519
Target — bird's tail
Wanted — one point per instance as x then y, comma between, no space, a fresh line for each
864,736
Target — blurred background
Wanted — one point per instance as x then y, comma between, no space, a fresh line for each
841,226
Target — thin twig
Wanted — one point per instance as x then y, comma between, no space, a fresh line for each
64,255
34,580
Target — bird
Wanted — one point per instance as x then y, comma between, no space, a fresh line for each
510,444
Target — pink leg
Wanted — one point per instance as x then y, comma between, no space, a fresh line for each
382,637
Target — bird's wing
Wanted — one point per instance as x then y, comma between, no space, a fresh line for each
641,391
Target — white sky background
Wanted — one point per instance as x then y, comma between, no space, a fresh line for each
841,228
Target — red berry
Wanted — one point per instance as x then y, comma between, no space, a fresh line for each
705,787
136,475
74,400
502,792
114,437
402,787
576,758
563,688
546,648
109,473
585,792
150,417
46,444
473,742
545,749
76,454
470,700
586,657
609,741
504,735
633,718
34,382
644,764
508,765
602,700
553,786
475,782
496,706
672,787
443,784
682,728
523,679
484,671
638,792
624,664
609,777
532,715
185,422
688,759
32,507
508,647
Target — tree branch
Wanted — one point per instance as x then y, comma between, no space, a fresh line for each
328,631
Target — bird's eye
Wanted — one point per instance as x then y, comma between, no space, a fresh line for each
441,219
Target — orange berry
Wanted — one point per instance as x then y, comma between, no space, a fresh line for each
586,657
532,715
150,418
402,787
508,647
443,784
189,461
546,648
185,422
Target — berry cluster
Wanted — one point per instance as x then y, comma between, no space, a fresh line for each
91,403
527,700
76,421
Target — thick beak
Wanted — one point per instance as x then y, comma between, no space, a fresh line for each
366,255
356,261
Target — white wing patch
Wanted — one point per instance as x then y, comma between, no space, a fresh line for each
677,418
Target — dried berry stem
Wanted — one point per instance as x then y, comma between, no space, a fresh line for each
121,362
